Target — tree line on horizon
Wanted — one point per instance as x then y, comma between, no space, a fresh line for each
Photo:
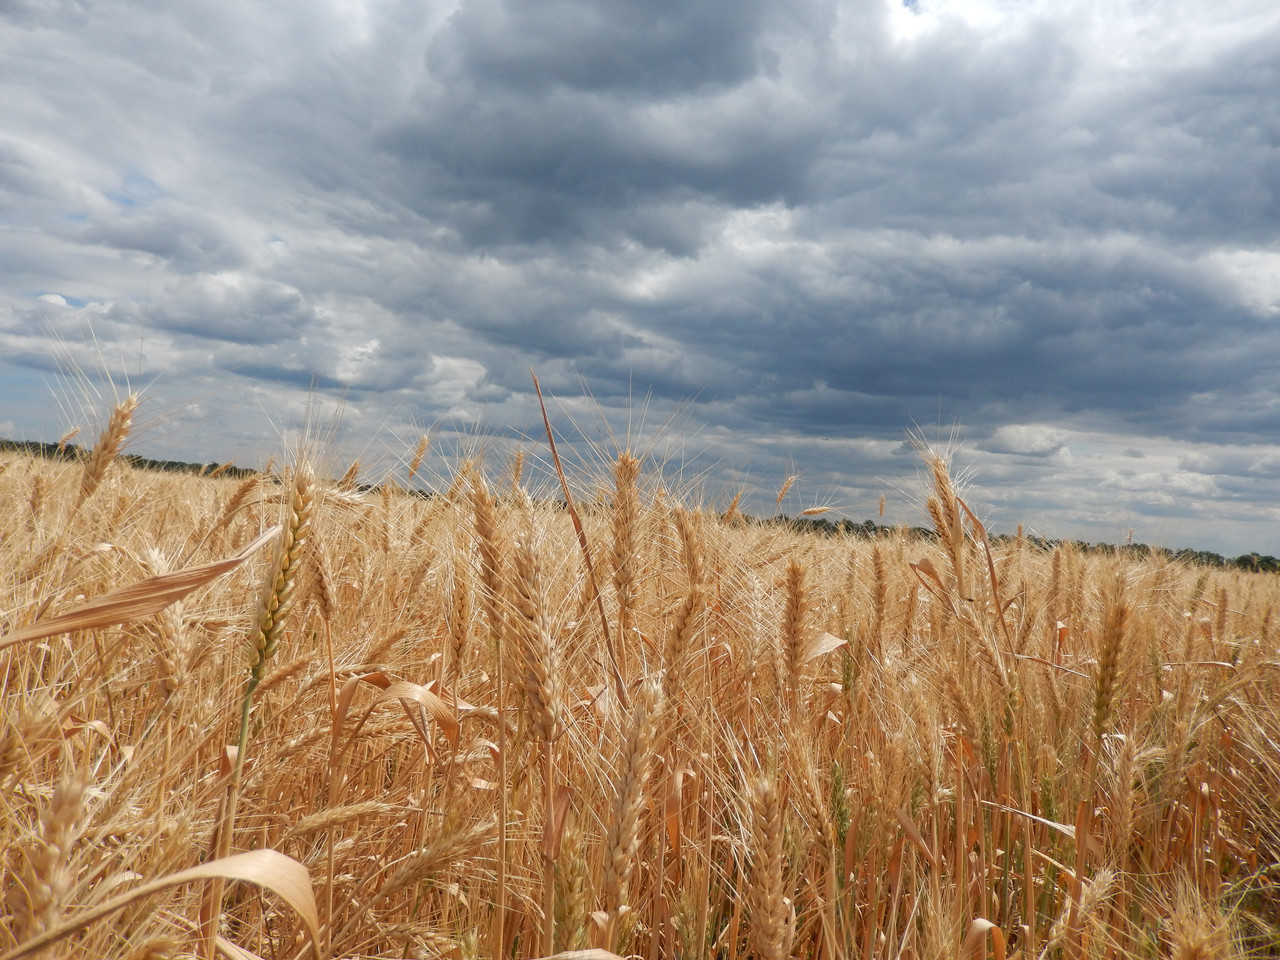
1252,562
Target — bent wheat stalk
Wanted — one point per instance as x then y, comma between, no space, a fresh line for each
135,601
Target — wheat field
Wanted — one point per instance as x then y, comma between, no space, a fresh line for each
284,715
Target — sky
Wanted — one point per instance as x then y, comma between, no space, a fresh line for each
750,238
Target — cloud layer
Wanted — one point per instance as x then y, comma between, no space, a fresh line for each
805,226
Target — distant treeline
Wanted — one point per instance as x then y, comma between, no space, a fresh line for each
864,529
73,452
868,529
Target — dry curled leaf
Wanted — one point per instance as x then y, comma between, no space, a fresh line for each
282,875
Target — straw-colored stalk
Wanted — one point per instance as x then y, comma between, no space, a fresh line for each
541,657
277,601
489,548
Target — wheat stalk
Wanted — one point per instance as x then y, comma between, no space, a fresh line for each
274,607
107,448
624,827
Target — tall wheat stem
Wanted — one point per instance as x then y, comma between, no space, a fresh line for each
486,527
277,601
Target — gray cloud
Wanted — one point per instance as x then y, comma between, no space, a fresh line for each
807,225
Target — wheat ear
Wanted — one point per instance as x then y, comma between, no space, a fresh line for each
733,516
879,599
107,448
626,544
419,452
37,900
277,599
947,519
794,631
787,484
541,657
633,777
767,902
459,612
686,619
1110,662
538,647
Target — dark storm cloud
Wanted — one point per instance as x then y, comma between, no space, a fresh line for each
573,120
631,48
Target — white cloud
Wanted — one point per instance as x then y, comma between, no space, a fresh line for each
1032,439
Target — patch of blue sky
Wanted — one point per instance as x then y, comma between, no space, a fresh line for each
136,190
18,384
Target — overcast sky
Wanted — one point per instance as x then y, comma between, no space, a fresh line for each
789,230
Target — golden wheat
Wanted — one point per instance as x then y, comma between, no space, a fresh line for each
822,747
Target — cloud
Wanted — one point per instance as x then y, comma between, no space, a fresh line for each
1033,440
809,225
